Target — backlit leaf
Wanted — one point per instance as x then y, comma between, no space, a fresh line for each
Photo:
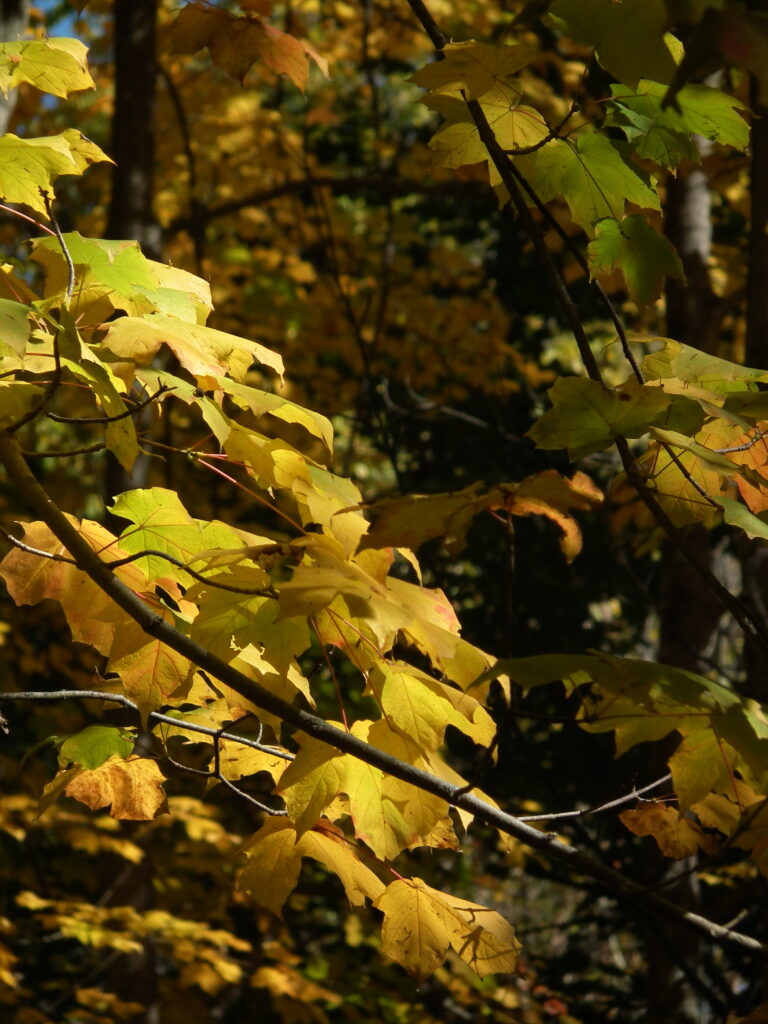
274,858
644,256
586,416
159,522
91,747
55,66
421,924
474,67
203,351
628,36
29,165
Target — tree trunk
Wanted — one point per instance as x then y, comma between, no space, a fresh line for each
689,613
131,215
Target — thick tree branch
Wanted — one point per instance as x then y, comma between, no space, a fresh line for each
154,625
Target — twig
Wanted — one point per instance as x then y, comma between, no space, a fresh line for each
48,200
30,220
609,805
158,716
70,453
151,552
136,407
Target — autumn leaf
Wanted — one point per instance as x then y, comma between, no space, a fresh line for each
113,275
415,519
159,522
132,788
55,66
587,416
473,67
29,167
235,44
514,126
92,616
421,924
273,863
206,353
677,836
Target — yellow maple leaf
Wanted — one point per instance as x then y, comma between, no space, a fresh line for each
274,856
421,924
132,787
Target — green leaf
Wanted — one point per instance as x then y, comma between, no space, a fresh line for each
94,744
736,514
55,66
656,130
474,67
111,276
628,36
643,255
28,166
161,523
595,176
586,416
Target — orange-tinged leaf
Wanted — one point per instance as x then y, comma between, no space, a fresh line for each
150,672
92,616
421,924
412,520
132,788
676,836
235,44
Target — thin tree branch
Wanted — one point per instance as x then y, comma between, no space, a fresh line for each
155,626
137,407
618,802
158,716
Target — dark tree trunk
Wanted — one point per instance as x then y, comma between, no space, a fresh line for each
754,561
131,215
133,126
689,613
